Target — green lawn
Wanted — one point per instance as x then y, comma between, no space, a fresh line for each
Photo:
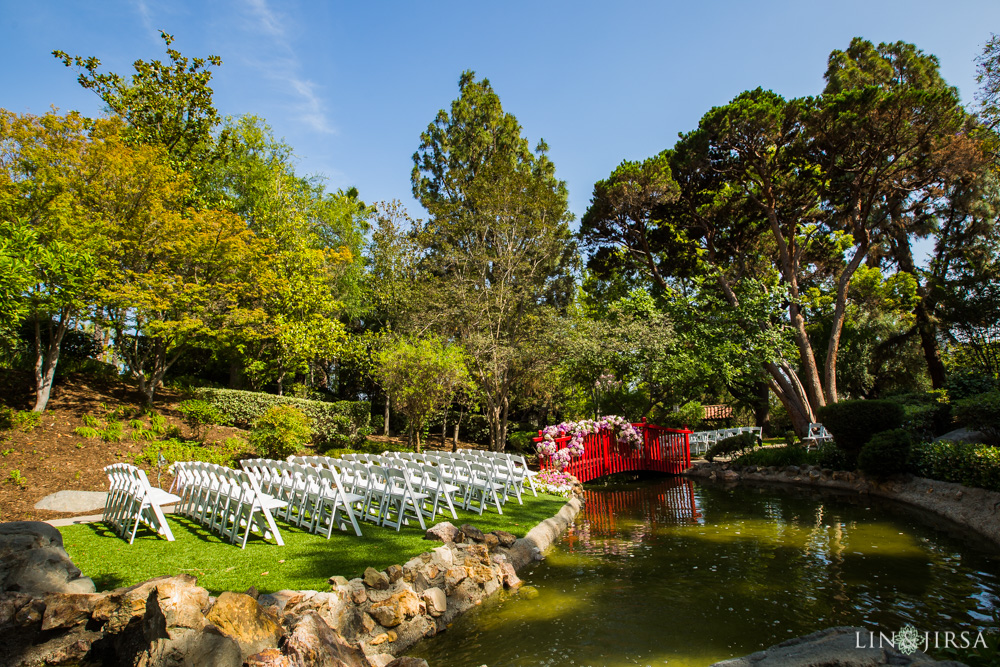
304,563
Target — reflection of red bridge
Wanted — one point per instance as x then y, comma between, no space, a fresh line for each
663,450
669,503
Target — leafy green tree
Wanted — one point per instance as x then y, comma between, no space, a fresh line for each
498,242
164,104
49,168
421,376
988,76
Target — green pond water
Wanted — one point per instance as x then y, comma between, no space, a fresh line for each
671,572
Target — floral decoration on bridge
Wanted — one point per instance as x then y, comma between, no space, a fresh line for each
625,434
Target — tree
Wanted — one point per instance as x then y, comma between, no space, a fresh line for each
164,104
48,181
988,76
498,243
421,376
804,191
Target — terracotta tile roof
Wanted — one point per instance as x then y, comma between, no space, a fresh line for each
717,412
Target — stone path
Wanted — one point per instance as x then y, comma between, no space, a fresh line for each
72,501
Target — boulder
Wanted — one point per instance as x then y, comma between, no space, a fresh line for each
375,579
833,646
394,572
269,657
311,643
435,600
393,611
473,533
240,617
407,661
506,539
33,561
444,531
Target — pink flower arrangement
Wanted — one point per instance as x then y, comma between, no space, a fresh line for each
626,435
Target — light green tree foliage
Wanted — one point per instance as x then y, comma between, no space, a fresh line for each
167,105
16,244
421,375
310,273
48,169
497,241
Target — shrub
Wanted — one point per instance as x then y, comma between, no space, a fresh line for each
975,465
25,420
829,455
853,423
728,446
113,432
791,455
338,424
981,413
280,432
199,414
925,414
521,441
86,431
174,450
690,415
91,421
886,454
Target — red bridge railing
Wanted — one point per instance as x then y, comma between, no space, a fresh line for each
663,450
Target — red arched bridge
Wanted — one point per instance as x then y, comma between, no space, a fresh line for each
663,450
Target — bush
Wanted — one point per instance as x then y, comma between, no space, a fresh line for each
975,465
690,415
728,446
853,423
925,414
26,420
280,432
886,454
340,424
829,455
792,455
174,450
981,413
199,414
521,441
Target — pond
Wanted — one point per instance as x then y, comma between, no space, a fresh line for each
673,572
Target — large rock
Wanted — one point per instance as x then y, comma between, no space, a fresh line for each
311,643
473,533
240,617
400,606
835,647
33,561
444,531
375,579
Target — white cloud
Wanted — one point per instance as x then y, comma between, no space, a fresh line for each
285,67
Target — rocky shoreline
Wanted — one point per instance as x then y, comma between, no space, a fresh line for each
55,617
974,509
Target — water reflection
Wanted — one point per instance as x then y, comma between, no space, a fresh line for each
672,572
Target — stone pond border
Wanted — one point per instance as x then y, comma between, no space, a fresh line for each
972,508
361,622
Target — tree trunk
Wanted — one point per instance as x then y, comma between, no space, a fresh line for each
46,359
416,434
281,381
385,427
444,428
458,422
839,315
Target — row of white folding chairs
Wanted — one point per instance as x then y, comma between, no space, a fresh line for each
427,481
509,469
319,489
132,500
700,441
314,498
226,501
507,480
473,485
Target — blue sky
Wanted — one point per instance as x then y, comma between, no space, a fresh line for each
351,85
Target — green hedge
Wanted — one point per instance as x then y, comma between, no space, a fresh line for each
853,423
967,464
335,424
981,413
886,454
